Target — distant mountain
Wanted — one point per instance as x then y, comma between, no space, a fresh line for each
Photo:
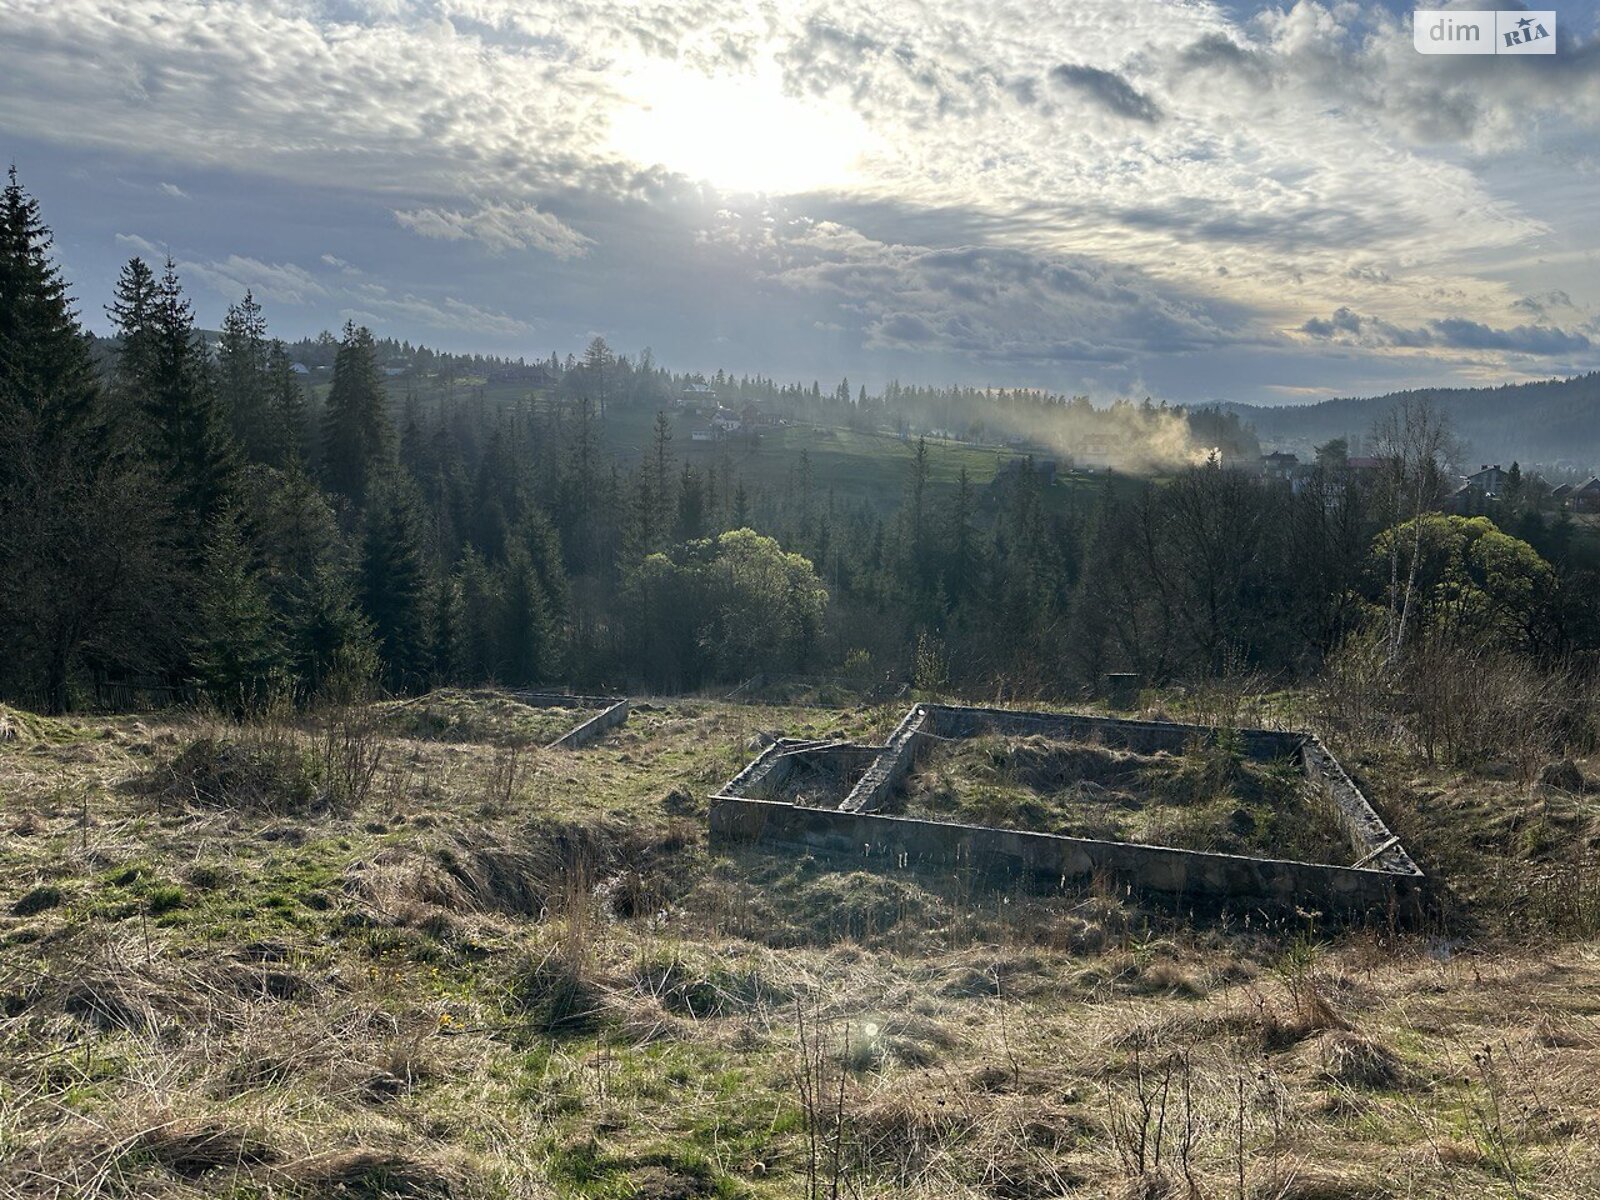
1554,423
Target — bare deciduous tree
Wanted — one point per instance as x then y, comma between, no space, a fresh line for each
1416,447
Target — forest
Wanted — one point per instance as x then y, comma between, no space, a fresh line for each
186,519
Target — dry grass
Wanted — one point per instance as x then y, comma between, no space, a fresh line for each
531,978
1207,798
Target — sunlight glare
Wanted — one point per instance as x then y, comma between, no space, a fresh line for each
737,133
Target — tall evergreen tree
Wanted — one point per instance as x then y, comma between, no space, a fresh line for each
47,385
133,315
234,645
313,598
661,461
286,407
691,505
244,380
526,638
394,580
355,432
82,561
187,439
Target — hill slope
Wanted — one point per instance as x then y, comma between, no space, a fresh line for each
1555,421
498,973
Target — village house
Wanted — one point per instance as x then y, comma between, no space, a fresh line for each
1586,497
697,393
1280,464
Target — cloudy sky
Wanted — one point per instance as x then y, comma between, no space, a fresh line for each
1180,198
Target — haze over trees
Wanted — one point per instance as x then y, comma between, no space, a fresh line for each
181,520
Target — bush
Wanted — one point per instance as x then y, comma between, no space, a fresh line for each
270,776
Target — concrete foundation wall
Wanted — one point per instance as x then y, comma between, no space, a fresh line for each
1049,860
1374,845
1386,875
927,721
602,722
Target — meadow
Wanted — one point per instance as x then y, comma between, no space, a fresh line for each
345,954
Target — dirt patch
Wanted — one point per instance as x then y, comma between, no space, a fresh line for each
816,783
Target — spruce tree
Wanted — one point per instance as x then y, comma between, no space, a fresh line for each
355,426
244,379
394,581
526,637
47,384
691,506
133,316
188,442
82,563
314,602
234,646
480,617
286,404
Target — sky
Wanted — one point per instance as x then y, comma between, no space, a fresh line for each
1176,198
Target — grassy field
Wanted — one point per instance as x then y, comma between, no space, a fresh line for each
361,955
1207,798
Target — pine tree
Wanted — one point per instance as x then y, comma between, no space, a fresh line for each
691,506
133,316
82,564
355,432
449,634
244,379
188,443
47,384
286,406
479,590
526,640
319,620
394,581
234,647
661,458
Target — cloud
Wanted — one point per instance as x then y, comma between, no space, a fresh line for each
376,305
237,274
362,299
1454,333
1191,184
1109,90
987,304
173,190
1219,52
499,227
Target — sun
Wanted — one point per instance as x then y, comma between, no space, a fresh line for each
739,133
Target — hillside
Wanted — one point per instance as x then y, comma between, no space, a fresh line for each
1554,422
399,952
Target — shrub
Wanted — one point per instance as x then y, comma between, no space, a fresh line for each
271,776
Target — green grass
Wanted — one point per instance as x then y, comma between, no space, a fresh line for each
330,984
